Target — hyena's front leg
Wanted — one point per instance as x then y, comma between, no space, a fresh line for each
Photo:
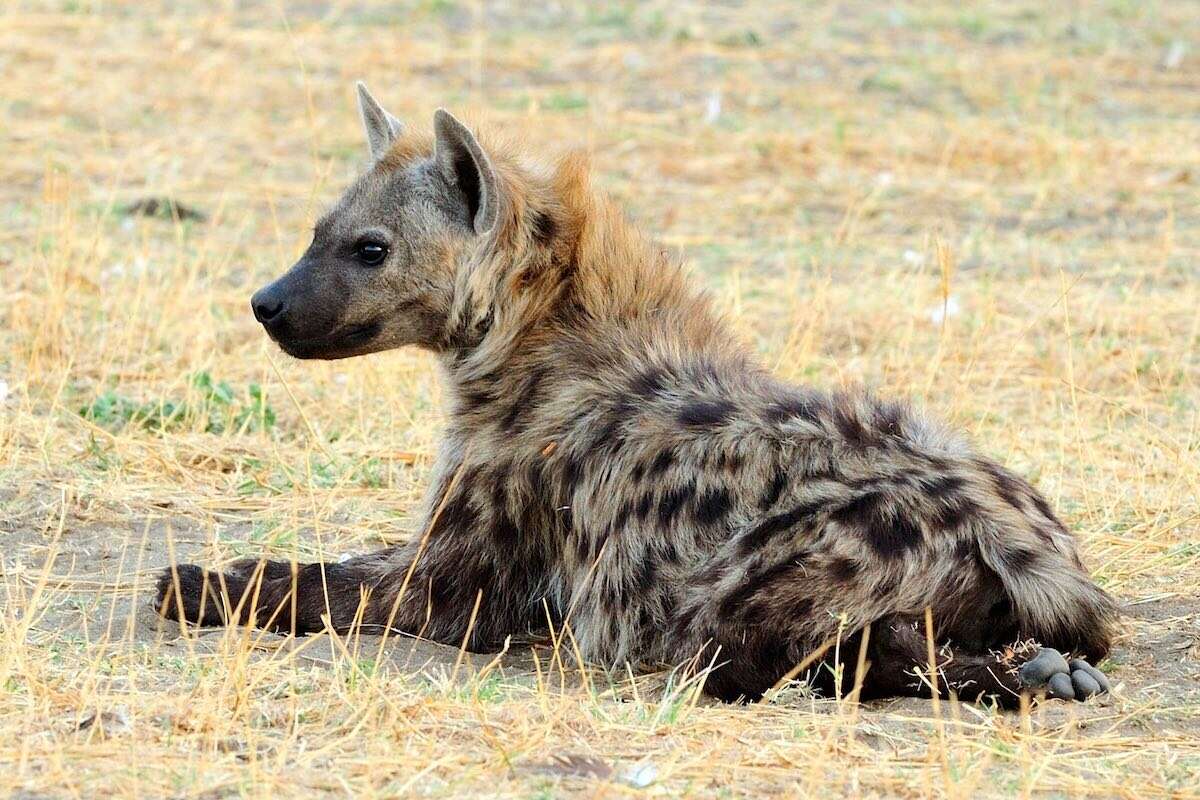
448,593
276,595
466,575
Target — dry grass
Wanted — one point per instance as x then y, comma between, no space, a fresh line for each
838,174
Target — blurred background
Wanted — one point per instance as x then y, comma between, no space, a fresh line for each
991,208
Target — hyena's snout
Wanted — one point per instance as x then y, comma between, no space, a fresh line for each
269,305
307,316
287,312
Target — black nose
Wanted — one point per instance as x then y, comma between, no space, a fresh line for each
267,306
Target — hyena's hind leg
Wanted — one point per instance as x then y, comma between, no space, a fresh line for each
899,665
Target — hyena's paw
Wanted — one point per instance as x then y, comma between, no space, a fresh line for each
189,593
1050,673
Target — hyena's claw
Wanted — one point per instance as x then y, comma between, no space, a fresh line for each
1049,673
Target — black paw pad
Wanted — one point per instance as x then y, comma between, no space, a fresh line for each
1088,678
1049,672
1059,687
1037,671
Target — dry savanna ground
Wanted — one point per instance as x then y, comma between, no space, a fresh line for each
992,209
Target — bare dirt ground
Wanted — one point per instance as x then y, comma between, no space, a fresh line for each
992,209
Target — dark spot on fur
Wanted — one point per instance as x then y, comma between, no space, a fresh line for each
504,531
1046,511
643,581
682,620
1007,485
1019,559
706,413
523,403
951,509
776,524
792,407
936,462
544,227
737,603
644,505
572,471
643,619
613,597
953,513
712,506
662,462
891,541
888,419
607,434
774,489
637,472
672,502
622,518
668,604
844,570
887,585
864,511
889,532
730,462
457,514
474,399
499,478
668,550
966,549
852,429
940,487
598,543
648,383
583,544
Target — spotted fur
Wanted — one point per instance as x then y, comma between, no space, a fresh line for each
614,460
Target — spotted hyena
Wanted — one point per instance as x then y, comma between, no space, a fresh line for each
615,461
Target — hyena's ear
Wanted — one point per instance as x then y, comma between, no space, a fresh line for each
382,128
468,168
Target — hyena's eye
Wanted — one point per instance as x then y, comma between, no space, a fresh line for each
371,253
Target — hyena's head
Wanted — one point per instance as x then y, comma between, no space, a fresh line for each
380,272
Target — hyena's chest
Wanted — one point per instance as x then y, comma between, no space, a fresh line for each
627,514
624,567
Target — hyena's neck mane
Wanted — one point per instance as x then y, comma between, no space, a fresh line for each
564,263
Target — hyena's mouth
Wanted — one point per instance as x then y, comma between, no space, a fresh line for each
348,342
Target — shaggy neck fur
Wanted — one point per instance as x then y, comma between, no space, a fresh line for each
562,262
